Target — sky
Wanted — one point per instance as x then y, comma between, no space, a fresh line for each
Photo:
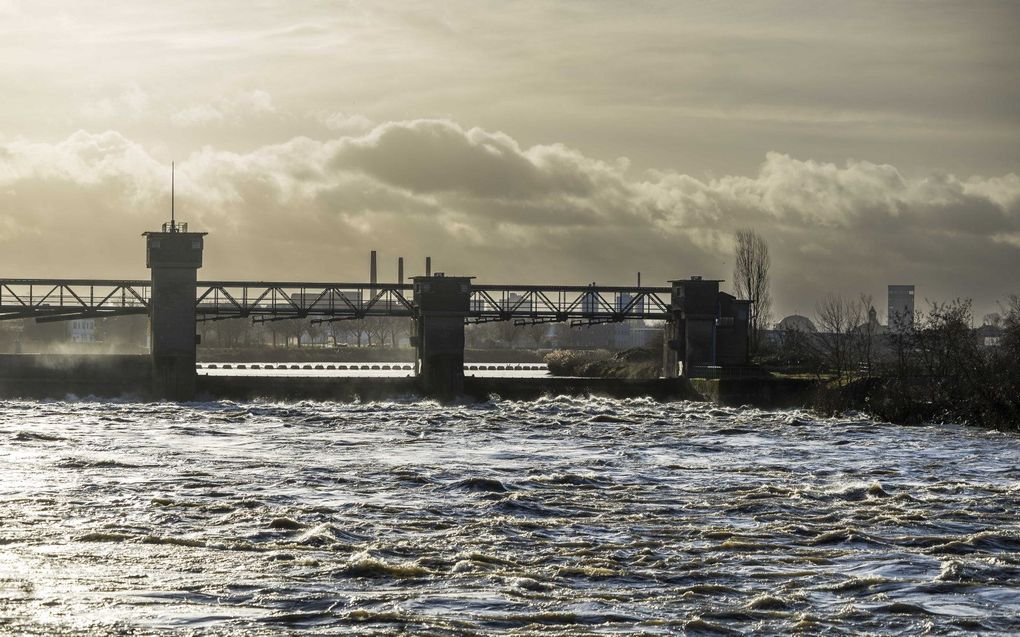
869,143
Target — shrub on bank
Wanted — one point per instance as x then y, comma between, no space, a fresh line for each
937,371
631,363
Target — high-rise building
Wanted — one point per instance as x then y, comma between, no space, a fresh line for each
901,307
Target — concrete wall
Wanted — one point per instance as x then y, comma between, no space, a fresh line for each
57,376
760,392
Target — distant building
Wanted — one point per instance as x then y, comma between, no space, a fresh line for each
628,334
796,323
520,302
624,299
872,327
989,335
901,307
83,331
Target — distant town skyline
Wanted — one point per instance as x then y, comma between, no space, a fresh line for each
869,143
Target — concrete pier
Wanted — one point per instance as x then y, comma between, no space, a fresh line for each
690,337
697,300
174,257
705,329
442,303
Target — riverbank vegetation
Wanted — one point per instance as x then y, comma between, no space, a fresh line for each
632,363
936,368
751,281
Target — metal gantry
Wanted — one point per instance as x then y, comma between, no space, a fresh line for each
581,305
67,299
275,301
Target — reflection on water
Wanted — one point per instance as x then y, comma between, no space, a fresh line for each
561,516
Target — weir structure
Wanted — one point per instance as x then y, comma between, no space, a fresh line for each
705,329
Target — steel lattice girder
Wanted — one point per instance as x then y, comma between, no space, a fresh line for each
66,299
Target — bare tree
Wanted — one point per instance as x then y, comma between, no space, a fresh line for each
397,328
838,321
944,346
534,332
230,332
378,329
292,329
751,279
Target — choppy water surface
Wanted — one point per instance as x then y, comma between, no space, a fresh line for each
559,516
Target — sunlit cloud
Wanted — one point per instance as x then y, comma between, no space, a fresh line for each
486,204
131,102
226,110
347,123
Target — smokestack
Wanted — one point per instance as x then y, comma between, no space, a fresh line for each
373,274
400,269
639,279
428,266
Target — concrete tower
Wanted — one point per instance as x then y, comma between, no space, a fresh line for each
442,303
174,256
691,330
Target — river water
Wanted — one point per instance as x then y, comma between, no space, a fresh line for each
560,516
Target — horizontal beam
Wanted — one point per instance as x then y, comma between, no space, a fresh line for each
74,316
330,284
313,285
113,283
571,288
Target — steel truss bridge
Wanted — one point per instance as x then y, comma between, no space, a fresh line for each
68,299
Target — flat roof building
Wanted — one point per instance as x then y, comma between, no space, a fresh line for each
901,307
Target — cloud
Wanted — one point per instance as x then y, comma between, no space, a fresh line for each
10,8
481,203
106,159
131,102
231,110
432,156
347,123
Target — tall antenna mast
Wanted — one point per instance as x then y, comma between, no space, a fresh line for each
173,224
